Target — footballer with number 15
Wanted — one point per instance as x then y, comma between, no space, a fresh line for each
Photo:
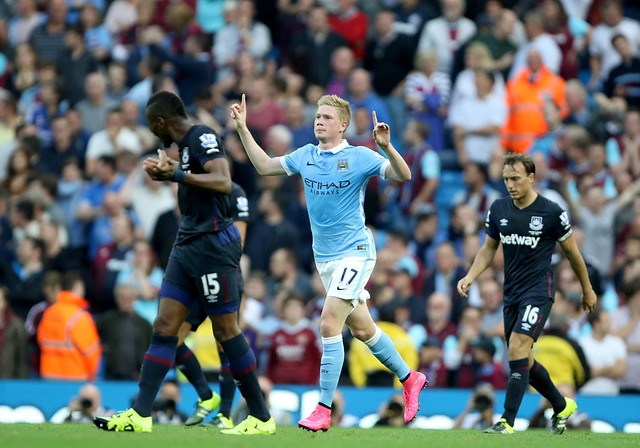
528,226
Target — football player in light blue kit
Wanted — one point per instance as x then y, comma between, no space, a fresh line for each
335,175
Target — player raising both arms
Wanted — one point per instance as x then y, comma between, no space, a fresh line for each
335,175
528,225
203,267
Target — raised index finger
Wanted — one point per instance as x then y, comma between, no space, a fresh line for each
374,118
244,102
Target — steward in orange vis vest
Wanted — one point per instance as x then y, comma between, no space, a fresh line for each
67,335
526,96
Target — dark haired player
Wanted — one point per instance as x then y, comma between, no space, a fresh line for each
203,266
528,225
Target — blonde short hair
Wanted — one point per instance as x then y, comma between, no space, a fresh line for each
341,105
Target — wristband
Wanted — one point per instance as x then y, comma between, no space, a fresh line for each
179,175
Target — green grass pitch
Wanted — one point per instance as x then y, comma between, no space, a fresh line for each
87,436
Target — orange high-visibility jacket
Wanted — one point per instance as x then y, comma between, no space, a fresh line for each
69,342
525,100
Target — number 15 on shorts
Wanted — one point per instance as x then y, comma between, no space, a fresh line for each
210,286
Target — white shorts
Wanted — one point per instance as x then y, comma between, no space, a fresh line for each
346,278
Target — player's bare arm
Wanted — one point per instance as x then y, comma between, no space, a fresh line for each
217,177
482,261
570,249
265,165
398,168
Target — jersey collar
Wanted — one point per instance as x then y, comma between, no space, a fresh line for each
335,149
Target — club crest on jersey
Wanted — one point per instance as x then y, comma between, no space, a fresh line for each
536,223
343,166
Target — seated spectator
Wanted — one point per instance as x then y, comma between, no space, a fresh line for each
67,335
622,79
294,356
13,341
351,23
286,275
444,276
94,107
606,355
486,368
125,337
342,64
477,192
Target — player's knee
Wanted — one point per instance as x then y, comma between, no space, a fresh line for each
363,334
223,331
166,326
519,346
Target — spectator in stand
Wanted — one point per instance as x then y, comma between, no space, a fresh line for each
342,63
425,169
492,308
97,36
426,236
263,109
294,356
623,151
389,58
54,156
447,33
67,335
13,341
74,64
569,32
526,94
242,33
27,18
23,278
625,323
477,192
19,170
624,78
96,104
121,15
50,288
114,139
410,17
443,277
110,260
47,39
310,51
499,41
477,60
486,368
117,81
606,355
476,137
50,104
145,277
125,336
540,42
301,130
351,23
603,55
426,94
286,275
270,232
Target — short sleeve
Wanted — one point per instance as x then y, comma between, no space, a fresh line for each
207,145
373,164
292,162
490,227
430,165
239,204
561,224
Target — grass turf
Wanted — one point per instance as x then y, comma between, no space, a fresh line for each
87,436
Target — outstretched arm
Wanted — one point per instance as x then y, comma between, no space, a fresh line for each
570,249
265,165
480,263
398,168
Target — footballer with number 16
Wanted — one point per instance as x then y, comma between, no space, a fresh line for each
528,226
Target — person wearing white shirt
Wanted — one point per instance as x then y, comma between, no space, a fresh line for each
111,140
606,355
603,55
538,40
446,34
477,122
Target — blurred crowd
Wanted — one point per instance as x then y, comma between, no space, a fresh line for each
85,236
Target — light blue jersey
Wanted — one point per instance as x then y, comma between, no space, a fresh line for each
334,185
